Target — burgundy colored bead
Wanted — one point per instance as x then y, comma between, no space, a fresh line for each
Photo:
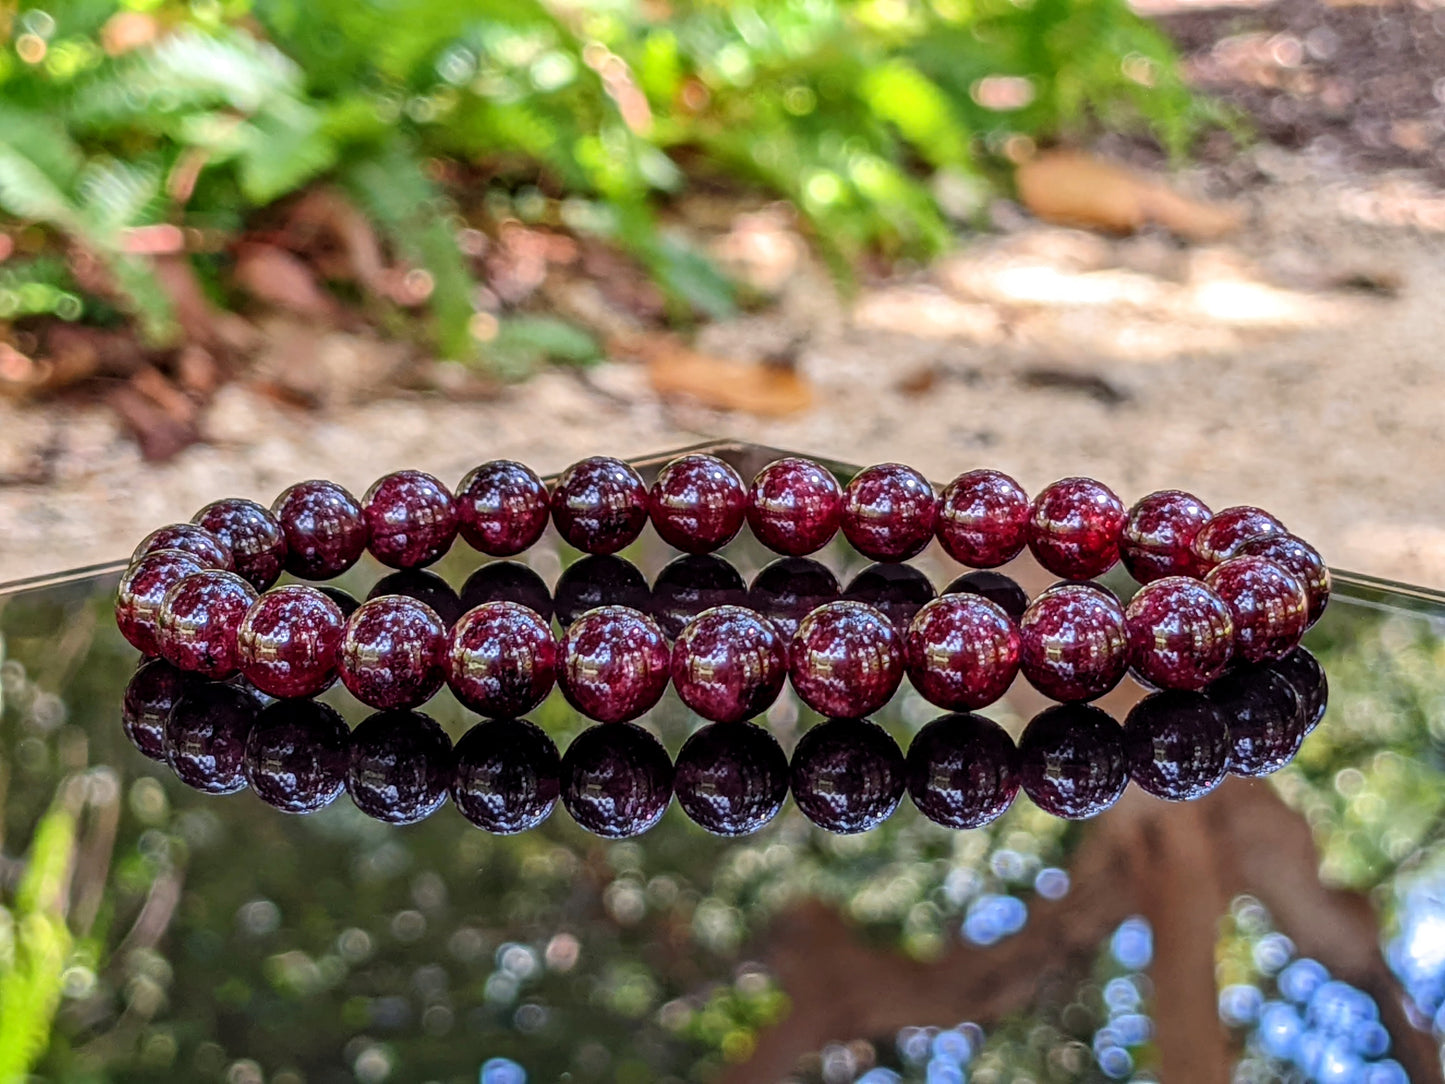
297,756
1181,634
729,664
731,780
847,775
1268,604
205,736
208,550
599,505
508,581
252,534
999,589
501,659
288,641
963,771
846,660
615,664
1227,530
600,580
983,519
1266,720
1071,759
142,588
698,503
962,652
690,585
888,512
789,589
425,587
794,506
1073,642
149,697
616,780
1159,535
898,592
399,767
502,508
1297,556
393,653
1074,528
1304,672
506,776
411,519
324,527
199,619
1177,745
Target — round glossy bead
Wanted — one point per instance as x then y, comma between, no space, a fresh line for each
731,780
898,592
616,780
1159,535
599,505
142,588
1304,672
600,580
1001,590
983,518
1073,642
790,588
288,641
1181,634
252,534
1266,721
963,771
1268,604
149,697
889,512
324,527
205,737
411,519
399,767
847,775
393,653
502,508
698,503
208,550
1074,528
1177,745
962,652
508,581
614,664
1296,556
794,506
199,619
690,585
425,587
1227,530
729,664
1071,761
297,756
506,776
846,660
501,659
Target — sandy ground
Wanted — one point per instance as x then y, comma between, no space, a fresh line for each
1299,366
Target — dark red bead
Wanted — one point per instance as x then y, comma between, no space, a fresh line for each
344,599
889,512
200,543
690,585
205,736
252,534
393,653
297,756
149,697
399,767
983,518
1074,528
502,508
288,641
425,587
963,771
508,581
1227,530
506,776
199,619
142,588
1266,720
600,580
1181,634
962,652
1297,556
501,659
729,664
324,527
616,780
999,589
794,506
599,505
1159,535
1268,604
1305,674
411,519
698,503
789,589
1073,641
846,660
614,664
847,775
1177,745
1071,761
731,779
898,592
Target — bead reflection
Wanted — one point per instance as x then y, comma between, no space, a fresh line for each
599,580
1177,745
847,775
505,776
425,587
1266,719
731,778
507,581
963,771
1072,761
896,591
789,589
297,756
690,585
397,769
205,737
1003,591
616,780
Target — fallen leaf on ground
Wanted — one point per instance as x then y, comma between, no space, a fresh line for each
724,383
